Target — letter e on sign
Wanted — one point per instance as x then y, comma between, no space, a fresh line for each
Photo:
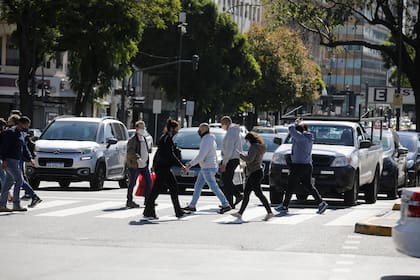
380,95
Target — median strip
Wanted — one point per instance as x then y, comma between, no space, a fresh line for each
380,225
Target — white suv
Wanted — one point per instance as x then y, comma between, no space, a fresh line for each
73,149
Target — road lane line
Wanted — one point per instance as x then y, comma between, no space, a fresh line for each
354,237
351,218
345,247
342,270
127,213
81,209
249,214
344,262
349,256
352,242
51,204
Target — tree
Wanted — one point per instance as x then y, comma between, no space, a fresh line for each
226,68
288,75
323,18
35,36
102,37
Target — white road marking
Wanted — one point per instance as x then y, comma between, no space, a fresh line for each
352,242
249,214
344,262
51,204
294,217
127,213
345,247
82,209
354,237
349,256
342,270
351,218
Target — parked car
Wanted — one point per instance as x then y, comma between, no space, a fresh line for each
188,141
35,133
264,130
282,129
406,234
149,138
394,172
73,149
345,162
218,125
411,142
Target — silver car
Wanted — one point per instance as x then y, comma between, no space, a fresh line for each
73,149
149,138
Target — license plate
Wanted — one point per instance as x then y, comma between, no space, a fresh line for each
55,164
188,174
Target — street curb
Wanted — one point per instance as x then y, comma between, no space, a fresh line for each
371,229
396,207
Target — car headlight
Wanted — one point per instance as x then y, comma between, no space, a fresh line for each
88,151
340,161
279,158
410,163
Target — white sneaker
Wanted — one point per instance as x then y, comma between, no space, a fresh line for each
268,217
237,215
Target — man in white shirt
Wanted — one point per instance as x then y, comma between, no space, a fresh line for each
138,163
207,159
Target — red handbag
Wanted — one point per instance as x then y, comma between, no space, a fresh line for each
142,184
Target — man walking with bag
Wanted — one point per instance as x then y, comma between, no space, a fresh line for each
207,159
231,149
138,163
301,167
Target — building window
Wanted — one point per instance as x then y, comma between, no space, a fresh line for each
12,54
59,60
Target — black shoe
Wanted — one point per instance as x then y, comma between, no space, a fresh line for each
238,199
35,201
182,214
189,208
132,204
225,209
25,197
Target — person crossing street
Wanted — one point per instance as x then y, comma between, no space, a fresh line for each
207,159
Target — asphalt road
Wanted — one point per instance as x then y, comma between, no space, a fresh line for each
80,234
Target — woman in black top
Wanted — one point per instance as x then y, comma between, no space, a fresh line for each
166,156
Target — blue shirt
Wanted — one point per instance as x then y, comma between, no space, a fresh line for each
13,145
301,146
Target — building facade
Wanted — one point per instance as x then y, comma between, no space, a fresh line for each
244,12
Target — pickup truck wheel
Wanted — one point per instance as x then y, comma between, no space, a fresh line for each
302,196
276,197
350,197
97,182
34,183
371,192
64,183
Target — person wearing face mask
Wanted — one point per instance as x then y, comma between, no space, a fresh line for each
207,159
167,155
13,151
231,148
138,163
255,174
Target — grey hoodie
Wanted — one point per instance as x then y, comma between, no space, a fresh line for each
207,156
232,144
254,158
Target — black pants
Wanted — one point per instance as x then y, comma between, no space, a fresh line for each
229,188
165,179
253,183
301,173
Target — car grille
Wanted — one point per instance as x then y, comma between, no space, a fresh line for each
317,160
68,162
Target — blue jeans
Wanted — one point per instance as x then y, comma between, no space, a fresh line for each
14,175
133,174
207,175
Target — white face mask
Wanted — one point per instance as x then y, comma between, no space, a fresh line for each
140,132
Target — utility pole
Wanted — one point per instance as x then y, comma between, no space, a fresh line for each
182,30
400,42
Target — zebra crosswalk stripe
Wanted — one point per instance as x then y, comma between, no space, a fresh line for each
249,214
294,217
352,217
81,209
52,204
128,213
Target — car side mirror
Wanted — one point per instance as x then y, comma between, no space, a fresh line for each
365,144
111,141
35,138
278,141
402,151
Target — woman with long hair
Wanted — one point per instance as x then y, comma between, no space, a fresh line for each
166,156
254,174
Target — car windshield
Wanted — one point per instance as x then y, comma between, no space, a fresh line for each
269,142
409,142
191,139
387,142
329,135
71,130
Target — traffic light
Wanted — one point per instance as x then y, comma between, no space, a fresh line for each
195,59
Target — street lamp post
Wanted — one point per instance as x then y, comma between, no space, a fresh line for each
182,30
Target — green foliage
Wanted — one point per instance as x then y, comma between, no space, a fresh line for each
288,75
226,68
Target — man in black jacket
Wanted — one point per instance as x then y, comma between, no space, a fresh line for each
13,151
